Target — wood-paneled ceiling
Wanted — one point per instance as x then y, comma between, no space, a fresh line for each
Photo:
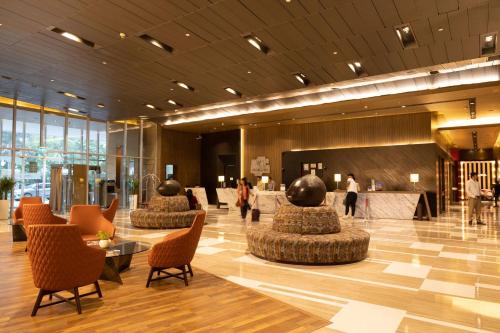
315,37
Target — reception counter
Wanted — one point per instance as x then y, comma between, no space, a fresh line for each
399,205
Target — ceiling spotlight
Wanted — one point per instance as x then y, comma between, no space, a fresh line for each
472,108
406,36
357,68
171,101
335,53
257,43
366,106
249,72
100,105
157,43
440,29
183,85
104,62
73,110
187,34
72,37
65,93
403,106
123,35
151,106
488,44
52,80
301,78
232,91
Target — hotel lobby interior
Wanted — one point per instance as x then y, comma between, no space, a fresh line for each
250,166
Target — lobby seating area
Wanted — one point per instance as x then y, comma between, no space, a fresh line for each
250,166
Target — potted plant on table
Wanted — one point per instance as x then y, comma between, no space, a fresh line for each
6,187
133,187
104,241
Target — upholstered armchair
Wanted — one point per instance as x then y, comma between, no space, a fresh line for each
109,214
90,220
176,251
18,213
60,260
39,214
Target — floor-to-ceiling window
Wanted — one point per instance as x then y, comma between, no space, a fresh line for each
49,151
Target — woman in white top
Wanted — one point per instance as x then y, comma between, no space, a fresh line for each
352,195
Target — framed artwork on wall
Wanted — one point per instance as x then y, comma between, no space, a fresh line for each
305,167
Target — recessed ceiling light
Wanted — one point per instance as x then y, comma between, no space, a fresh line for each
52,80
406,36
171,89
72,37
366,106
249,72
257,43
151,106
343,113
278,123
123,35
232,91
288,1
184,85
440,29
301,78
357,68
222,124
65,93
376,112
187,34
171,101
118,100
293,118
403,106
100,105
104,62
157,43
73,110
335,53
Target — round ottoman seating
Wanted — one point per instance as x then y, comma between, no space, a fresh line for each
308,235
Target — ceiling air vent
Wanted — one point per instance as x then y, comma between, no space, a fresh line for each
488,43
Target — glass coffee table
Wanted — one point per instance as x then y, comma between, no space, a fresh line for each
119,256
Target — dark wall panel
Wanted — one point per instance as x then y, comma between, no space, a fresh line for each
220,155
390,165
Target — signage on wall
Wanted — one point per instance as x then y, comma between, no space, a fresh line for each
259,166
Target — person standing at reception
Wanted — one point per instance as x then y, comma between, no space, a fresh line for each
351,196
473,193
271,185
243,198
260,184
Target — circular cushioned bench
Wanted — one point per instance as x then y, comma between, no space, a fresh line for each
308,235
164,213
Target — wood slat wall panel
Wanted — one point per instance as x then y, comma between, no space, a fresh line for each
271,142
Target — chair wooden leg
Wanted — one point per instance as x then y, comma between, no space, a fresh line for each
77,301
150,276
98,289
39,298
184,275
50,297
190,270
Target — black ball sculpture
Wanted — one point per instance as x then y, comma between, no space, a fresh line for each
169,188
306,191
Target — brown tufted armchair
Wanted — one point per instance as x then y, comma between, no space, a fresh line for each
176,251
60,260
18,213
39,214
18,230
109,214
90,220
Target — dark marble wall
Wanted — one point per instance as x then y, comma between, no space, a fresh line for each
390,165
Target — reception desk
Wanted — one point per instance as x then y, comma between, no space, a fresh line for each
399,205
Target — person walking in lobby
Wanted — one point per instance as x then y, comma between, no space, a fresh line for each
352,195
243,198
473,193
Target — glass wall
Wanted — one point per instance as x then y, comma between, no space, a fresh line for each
68,159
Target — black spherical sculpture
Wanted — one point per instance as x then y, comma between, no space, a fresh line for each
306,191
169,188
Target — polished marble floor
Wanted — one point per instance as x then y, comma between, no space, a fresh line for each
420,276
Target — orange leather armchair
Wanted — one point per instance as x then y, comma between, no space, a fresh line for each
90,220
39,214
176,251
109,214
18,213
60,260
